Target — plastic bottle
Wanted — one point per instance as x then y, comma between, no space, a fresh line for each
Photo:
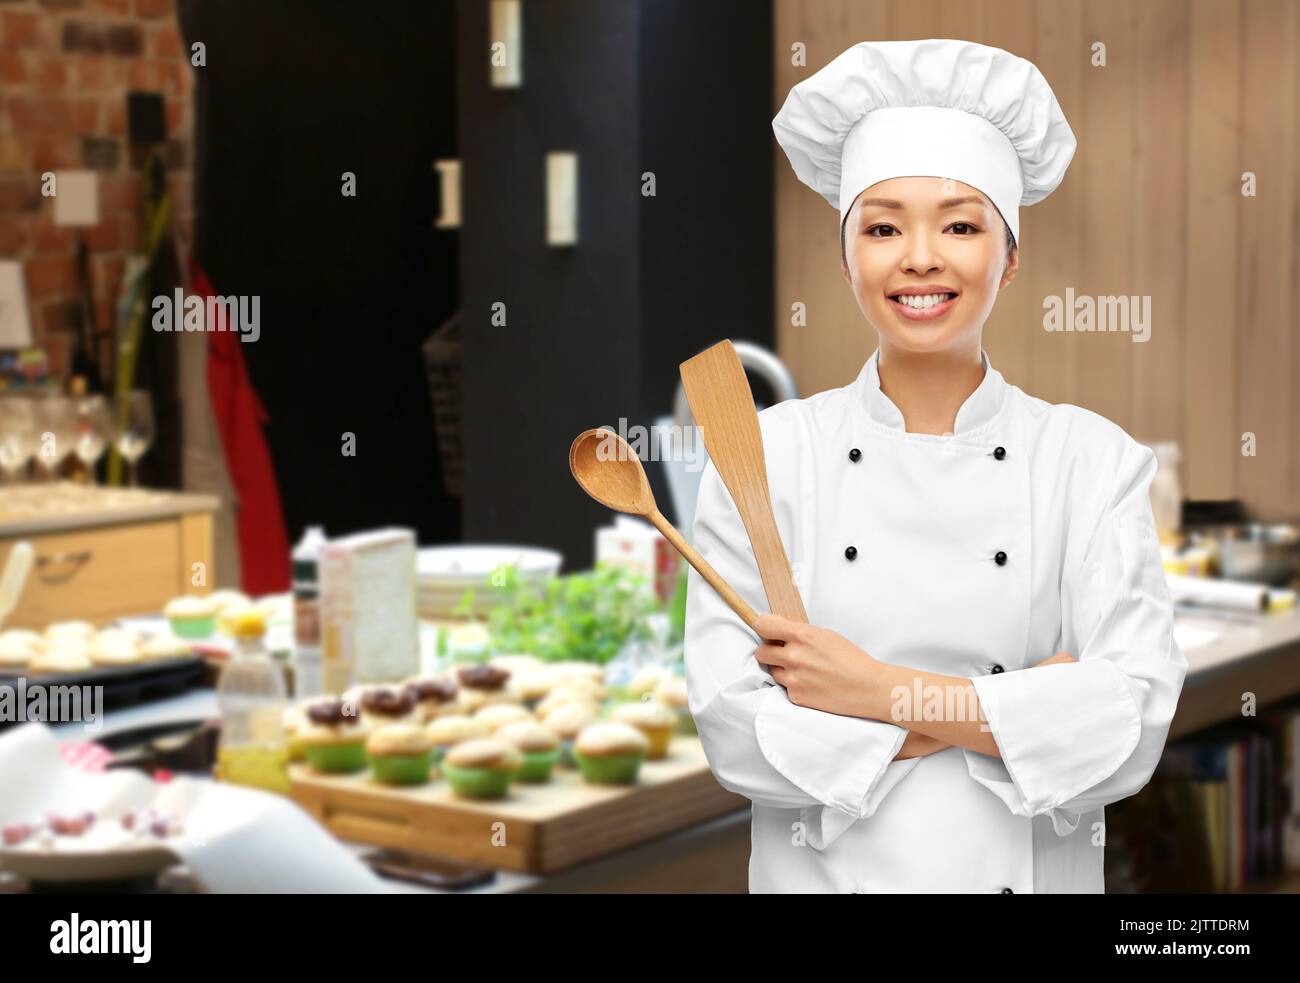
253,748
308,655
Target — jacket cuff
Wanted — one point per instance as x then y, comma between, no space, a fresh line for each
1061,729
836,759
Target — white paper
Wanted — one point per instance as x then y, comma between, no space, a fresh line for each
76,198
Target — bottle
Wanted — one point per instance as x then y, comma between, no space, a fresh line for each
253,748
308,656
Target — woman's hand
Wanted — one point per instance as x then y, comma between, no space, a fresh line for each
819,668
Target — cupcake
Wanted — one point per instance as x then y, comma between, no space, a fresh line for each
192,617
539,745
434,697
610,753
481,685
400,754
334,738
293,721
25,636
567,721
534,685
165,647
497,715
383,705
114,651
61,658
224,599
82,630
645,680
671,692
653,719
481,768
15,653
565,693
452,729
517,663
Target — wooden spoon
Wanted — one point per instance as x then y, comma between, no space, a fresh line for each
723,407
610,472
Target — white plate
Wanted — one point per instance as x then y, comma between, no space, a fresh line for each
119,863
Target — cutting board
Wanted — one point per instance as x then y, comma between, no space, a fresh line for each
537,828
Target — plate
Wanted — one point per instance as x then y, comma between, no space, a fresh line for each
119,863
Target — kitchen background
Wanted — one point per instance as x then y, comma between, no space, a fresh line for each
430,342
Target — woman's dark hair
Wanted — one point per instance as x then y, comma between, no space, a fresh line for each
1011,241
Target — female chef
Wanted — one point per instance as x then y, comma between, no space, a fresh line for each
990,657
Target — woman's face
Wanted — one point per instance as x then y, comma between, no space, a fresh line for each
933,236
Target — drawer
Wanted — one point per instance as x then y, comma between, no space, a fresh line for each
101,573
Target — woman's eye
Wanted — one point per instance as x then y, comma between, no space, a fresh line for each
872,231
964,225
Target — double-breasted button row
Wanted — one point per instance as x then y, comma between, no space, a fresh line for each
996,669
999,452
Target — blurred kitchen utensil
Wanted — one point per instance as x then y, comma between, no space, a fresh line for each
14,578
610,472
1255,552
684,467
723,406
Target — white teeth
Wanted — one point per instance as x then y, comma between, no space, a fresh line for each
922,302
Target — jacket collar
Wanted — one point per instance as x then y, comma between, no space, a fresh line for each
980,407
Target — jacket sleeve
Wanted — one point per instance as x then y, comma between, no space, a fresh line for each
835,769
1079,736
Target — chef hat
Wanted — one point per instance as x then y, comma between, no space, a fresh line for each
938,108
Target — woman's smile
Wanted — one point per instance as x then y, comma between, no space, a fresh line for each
923,303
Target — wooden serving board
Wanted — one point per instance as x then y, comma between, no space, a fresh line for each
536,828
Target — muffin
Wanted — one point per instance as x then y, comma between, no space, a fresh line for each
400,754
481,685
481,768
192,617
497,715
516,664
564,693
610,753
333,736
534,685
383,705
434,697
671,692
655,720
539,745
165,647
25,636
452,729
63,658
567,721
645,680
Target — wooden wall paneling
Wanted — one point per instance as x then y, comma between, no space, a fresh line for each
1266,333
1052,236
1161,221
1105,358
1212,289
1010,25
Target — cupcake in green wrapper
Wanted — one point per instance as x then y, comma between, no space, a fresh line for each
567,720
452,729
481,768
539,745
671,692
655,720
610,753
400,754
192,617
333,736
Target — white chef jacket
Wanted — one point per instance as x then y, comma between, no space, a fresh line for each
1026,532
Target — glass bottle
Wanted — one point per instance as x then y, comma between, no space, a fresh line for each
253,748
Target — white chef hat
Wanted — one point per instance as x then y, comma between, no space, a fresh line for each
938,108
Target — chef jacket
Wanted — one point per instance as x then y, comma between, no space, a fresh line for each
1026,532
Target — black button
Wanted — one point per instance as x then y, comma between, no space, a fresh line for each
1007,890
851,552
999,452
996,669
999,558
855,455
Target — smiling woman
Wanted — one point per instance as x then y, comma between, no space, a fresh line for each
989,659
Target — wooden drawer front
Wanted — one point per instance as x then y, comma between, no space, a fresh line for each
100,574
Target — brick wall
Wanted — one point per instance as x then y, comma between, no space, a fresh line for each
65,69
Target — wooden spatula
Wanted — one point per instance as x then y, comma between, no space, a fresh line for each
723,405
